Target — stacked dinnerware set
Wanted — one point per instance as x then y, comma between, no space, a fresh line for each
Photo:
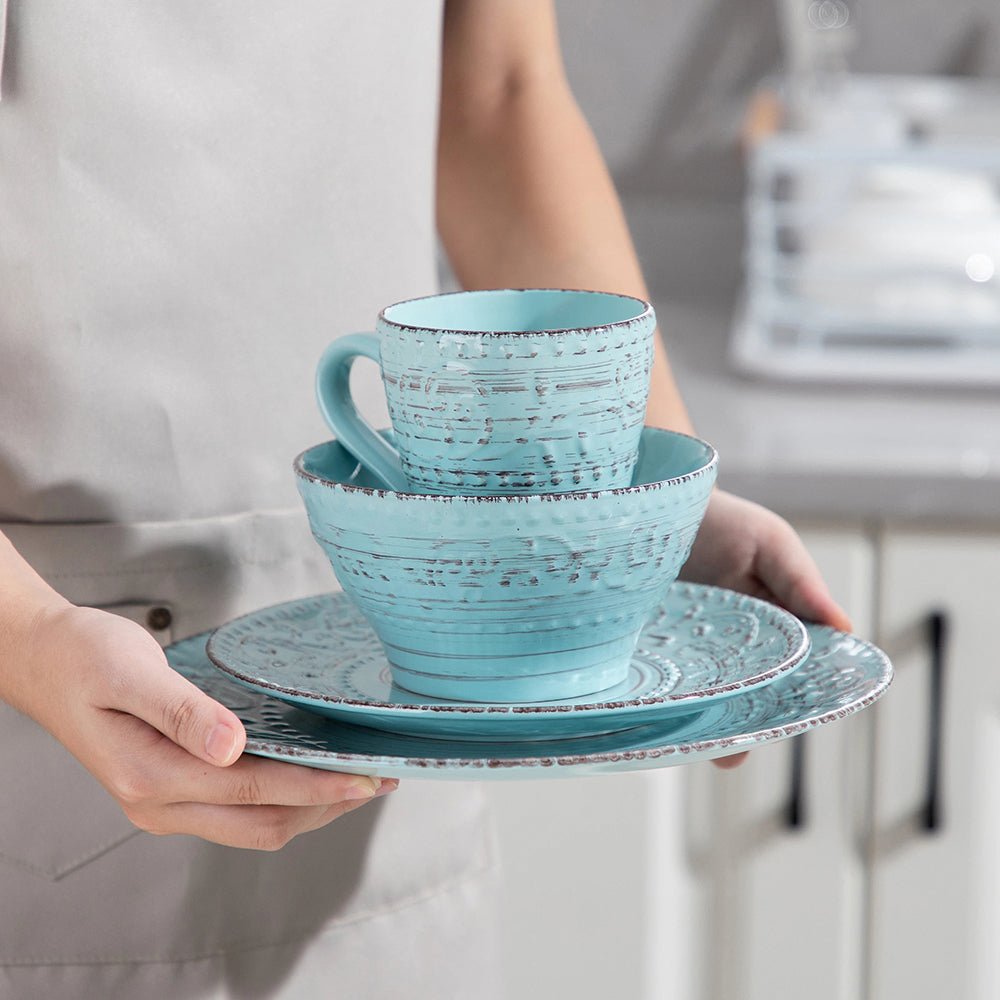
508,554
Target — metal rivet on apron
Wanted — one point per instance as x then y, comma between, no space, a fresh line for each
157,619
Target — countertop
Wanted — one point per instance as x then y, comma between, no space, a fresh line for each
846,452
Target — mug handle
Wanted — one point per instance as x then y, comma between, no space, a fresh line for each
333,393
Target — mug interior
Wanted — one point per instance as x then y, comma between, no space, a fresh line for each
663,455
531,310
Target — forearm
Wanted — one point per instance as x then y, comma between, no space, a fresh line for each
24,600
525,198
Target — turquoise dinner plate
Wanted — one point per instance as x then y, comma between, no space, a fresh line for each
702,645
841,675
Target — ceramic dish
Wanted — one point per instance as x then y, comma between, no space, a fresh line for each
512,598
841,675
499,391
702,644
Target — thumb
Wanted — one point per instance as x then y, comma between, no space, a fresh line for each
173,705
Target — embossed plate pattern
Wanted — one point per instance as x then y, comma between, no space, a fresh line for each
842,675
702,645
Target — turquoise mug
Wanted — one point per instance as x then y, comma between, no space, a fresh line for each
499,393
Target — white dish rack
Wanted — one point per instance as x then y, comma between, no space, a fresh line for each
873,235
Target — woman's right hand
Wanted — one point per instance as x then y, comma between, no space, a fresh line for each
167,752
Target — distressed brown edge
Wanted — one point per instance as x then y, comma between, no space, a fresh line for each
644,315
709,468
695,699
724,746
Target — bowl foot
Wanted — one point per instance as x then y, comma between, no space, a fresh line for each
529,677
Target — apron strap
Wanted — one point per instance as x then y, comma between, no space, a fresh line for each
3,38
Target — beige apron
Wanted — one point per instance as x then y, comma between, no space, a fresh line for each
194,197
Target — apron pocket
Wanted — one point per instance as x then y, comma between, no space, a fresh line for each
173,578
56,815
82,888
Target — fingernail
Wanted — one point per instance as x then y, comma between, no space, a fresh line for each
388,785
363,788
221,743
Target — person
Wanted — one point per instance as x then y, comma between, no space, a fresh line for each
193,199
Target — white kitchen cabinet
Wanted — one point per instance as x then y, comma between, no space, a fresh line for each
688,883
691,883
782,905
890,889
935,917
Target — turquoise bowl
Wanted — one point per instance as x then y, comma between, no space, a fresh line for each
514,598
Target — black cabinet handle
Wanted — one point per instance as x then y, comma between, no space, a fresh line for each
795,811
937,639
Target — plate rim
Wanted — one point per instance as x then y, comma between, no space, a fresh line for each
791,627
695,750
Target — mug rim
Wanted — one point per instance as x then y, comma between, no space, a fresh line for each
711,463
645,313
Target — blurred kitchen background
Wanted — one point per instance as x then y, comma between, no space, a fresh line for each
814,188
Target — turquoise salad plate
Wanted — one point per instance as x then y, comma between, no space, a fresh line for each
841,675
701,645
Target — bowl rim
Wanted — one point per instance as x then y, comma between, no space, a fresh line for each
705,469
646,313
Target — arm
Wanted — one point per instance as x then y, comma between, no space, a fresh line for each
525,199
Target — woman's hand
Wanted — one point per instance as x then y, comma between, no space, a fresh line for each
168,753
748,548
745,547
